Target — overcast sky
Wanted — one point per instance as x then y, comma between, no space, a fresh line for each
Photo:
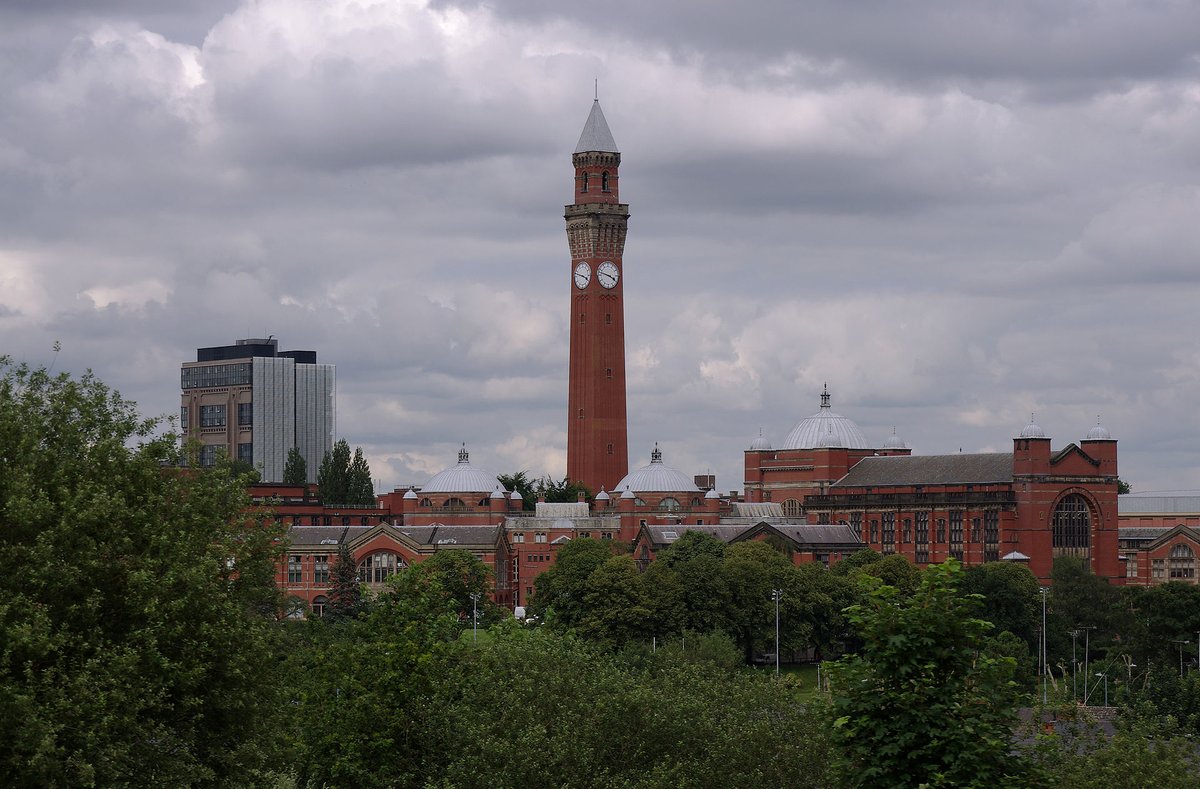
955,213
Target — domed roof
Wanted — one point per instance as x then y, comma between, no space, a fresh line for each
1099,433
825,429
1032,430
461,478
412,494
657,477
760,444
894,442
712,494
602,495
498,493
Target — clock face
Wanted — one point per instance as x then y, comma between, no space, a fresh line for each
608,274
583,275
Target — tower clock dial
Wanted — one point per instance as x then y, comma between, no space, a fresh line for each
583,275
608,274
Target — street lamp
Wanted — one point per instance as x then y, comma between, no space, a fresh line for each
775,595
1074,667
1181,642
475,617
1105,675
1043,590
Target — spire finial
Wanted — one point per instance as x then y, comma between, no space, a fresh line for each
596,88
825,397
463,457
656,455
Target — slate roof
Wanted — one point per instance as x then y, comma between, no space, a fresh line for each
660,535
810,534
973,469
319,535
757,509
596,136
440,534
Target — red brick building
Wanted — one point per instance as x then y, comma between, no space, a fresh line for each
1160,539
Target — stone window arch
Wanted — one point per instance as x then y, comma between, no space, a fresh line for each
604,181
584,186
1071,527
669,504
792,508
375,568
1181,563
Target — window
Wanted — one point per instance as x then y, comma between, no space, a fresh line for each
245,414
320,570
318,605
856,524
581,413
585,534
697,501
212,416
956,535
582,318
246,452
1131,565
604,181
606,535
610,449
669,504
208,455
792,508
584,183
378,567
889,532
1070,532
539,537
426,502
295,569
921,551
1158,567
518,537
608,318
1182,564
608,372
975,532
183,415
941,530
906,534
455,503
823,518
874,530
239,374
991,536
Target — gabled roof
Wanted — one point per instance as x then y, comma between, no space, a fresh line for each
1156,537
1071,449
973,469
807,536
596,136
660,535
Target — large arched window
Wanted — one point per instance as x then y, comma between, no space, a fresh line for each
1181,562
669,504
377,567
318,605
1071,528
455,503
584,186
604,181
792,508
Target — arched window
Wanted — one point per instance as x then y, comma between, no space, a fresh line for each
1182,562
1071,528
604,181
697,502
426,502
455,503
318,605
669,504
792,508
377,567
584,187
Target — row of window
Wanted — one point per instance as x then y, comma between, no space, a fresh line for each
295,569
345,520
585,180
216,375
212,416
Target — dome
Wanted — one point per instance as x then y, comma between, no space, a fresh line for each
498,493
760,444
602,496
462,478
1099,433
516,496
657,478
628,494
894,442
412,494
712,494
1032,430
826,429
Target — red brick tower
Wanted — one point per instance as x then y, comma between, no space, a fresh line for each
597,443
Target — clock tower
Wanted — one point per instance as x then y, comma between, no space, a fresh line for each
597,442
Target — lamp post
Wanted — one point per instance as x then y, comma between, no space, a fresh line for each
1074,668
1044,590
1087,648
1181,642
475,617
775,595
1105,675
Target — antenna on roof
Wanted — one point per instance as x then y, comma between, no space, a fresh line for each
596,87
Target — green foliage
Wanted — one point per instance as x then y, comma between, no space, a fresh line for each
1123,487
295,469
539,709
1011,598
137,602
615,603
452,577
345,591
855,560
521,483
563,490
562,587
922,703
343,480
1139,754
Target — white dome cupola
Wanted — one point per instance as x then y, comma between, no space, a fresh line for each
825,429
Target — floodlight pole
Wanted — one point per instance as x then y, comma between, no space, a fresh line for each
1044,590
475,617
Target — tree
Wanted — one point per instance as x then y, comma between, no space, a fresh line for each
455,575
617,610
521,483
921,703
1010,598
295,470
1123,487
562,587
562,491
345,590
342,480
135,649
